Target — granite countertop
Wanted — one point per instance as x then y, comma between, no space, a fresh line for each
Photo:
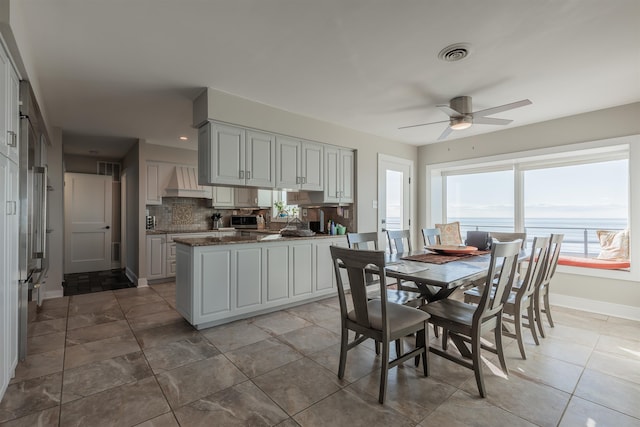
256,238
159,231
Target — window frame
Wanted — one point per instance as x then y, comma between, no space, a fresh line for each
519,162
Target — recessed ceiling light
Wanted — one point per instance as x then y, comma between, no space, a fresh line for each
183,138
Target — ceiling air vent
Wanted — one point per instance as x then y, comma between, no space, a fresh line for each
454,52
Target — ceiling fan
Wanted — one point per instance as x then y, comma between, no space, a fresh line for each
461,115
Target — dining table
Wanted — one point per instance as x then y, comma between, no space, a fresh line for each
437,281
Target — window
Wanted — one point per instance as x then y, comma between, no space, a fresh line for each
481,201
573,192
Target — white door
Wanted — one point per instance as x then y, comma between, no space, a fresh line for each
87,212
394,195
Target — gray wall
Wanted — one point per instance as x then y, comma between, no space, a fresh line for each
598,125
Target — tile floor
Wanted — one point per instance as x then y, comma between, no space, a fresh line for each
126,358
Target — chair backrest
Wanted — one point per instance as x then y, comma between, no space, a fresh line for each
399,241
509,237
537,266
502,268
555,244
431,236
355,261
362,240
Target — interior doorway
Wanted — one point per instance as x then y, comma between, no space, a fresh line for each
394,195
88,219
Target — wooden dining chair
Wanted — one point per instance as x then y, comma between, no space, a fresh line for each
542,291
399,241
509,237
465,324
377,318
405,296
522,297
431,236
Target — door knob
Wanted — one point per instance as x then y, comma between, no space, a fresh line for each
107,227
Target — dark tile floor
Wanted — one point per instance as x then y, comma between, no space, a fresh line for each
127,358
95,281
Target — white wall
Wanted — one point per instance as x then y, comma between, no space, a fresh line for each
611,296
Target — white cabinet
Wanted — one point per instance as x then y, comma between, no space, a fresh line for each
154,186
13,115
9,272
247,197
220,283
156,256
222,197
339,164
230,155
299,164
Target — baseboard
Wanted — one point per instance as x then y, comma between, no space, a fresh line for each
142,283
593,306
58,293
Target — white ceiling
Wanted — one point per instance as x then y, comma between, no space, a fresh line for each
130,69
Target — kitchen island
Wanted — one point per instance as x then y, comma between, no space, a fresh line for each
222,279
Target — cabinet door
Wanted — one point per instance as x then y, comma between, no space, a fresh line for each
325,275
213,274
276,272
223,197
5,374
246,197
287,162
156,258
265,199
154,196
332,175
13,114
5,138
302,262
227,155
346,169
260,162
312,166
248,268
12,266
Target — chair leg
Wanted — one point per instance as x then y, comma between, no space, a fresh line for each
435,331
344,341
477,363
532,325
538,311
384,371
547,306
377,346
399,349
425,356
445,339
517,320
499,348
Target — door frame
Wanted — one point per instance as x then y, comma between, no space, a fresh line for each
383,161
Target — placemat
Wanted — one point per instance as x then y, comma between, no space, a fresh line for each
442,259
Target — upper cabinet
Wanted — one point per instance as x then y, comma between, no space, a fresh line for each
9,117
230,155
154,187
339,164
253,198
299,164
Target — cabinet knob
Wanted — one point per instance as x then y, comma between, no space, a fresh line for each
248,174
12,140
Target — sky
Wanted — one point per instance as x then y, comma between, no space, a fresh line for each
597,190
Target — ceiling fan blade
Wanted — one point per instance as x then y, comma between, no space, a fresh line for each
500,109
449,111
445,133
490,121
423,124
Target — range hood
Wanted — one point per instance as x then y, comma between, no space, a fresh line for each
184,183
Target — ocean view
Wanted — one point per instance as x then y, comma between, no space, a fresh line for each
580,237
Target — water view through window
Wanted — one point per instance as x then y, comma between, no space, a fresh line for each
576,200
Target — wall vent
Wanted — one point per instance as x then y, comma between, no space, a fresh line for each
109,169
